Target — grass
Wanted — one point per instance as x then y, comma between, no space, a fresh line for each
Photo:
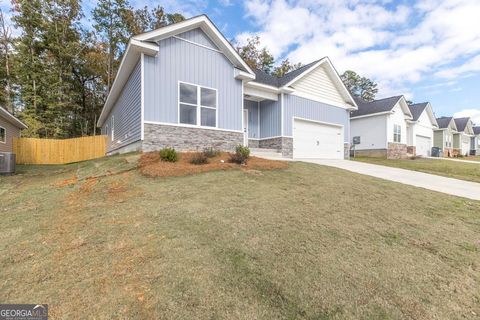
447,168
306,242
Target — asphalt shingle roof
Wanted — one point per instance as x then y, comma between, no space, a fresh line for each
264,78
461,123
444,122
376,106
476,130
417,109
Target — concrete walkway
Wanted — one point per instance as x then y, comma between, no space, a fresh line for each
453,159
461,188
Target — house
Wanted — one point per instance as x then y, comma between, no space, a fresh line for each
462,138
380,127
10,128
420,129
443,136
185,86
476,141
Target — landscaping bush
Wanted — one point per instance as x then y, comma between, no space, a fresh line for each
168,154
241,155
210,152
199,158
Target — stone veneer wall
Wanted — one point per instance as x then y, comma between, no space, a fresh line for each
253,143
412,150
159,136
346,150
283,144
447,152
396,151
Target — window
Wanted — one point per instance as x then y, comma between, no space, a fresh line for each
3,135
197,105
397,133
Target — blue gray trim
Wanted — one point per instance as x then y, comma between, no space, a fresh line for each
127,113
312,110
198,36
179,60
253,123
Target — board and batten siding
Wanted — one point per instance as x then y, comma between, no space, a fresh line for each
270,119
127,114
299,107
371,130
11,132
198,36
183,61
253,123
320,85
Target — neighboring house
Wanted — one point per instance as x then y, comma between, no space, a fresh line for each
381,127
185,86
420,129
462,138
10,128
443,136
476,141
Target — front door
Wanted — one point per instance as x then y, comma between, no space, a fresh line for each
245,127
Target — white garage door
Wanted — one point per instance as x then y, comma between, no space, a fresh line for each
424,146
317,140
466,146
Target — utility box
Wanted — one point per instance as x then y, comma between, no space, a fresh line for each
7,163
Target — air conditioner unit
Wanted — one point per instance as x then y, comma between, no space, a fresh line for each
7,163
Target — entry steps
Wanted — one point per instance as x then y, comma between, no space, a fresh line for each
266,153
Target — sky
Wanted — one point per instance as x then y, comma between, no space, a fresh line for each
427,50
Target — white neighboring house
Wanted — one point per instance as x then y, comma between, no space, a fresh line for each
381,127
476,141
420,129
462,138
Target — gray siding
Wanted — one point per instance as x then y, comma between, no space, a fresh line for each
127,112
270,119
312,110
253,124
182,61
198,36
11,132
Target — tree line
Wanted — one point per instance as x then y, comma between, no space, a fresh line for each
55,72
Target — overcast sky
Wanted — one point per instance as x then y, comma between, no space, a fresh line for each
427,50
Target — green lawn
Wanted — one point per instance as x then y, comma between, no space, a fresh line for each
308,242
447,168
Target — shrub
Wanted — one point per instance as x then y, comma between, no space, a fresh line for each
241,155
168,154
199,158
210,152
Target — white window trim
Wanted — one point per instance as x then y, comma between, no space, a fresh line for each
5,129
395,126
198,106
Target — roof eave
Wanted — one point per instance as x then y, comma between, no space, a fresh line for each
12,119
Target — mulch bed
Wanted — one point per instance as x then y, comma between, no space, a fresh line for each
151,165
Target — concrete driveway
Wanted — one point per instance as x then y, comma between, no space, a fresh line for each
461,188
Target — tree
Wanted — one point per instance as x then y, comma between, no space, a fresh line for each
255,57
6,43
285,67
359,86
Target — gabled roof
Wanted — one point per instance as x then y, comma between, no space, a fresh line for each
377,106
476,130
444,122
461,123
293,76
417,109
146,43
12,119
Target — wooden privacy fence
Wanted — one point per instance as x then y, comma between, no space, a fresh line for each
55,151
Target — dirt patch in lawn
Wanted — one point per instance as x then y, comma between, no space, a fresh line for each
151,165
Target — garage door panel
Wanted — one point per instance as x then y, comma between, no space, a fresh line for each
317,140
424,146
